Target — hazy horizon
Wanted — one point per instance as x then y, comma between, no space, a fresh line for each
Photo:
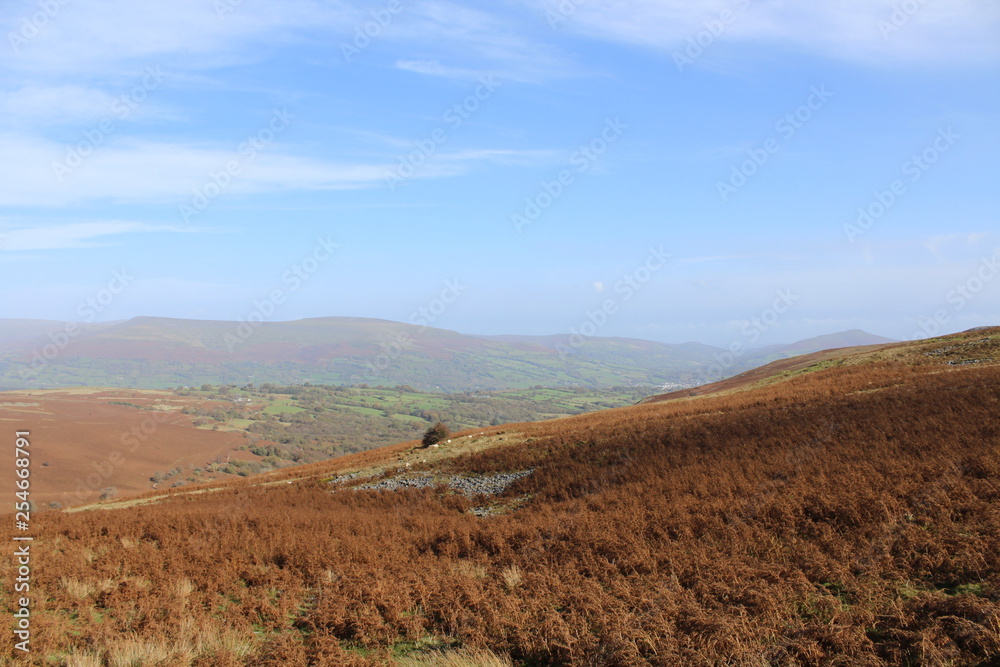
663,171
756,343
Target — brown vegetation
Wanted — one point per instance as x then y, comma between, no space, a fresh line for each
848,514
93,440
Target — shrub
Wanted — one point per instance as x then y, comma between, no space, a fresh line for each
435,434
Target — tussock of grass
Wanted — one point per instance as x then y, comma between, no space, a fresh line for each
132,651
84,658
512,576
468,657
78,589
467,568
184,587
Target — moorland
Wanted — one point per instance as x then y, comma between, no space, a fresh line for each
839,512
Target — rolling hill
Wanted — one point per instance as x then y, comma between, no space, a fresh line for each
156,353
843,509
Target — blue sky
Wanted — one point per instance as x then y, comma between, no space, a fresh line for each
531,161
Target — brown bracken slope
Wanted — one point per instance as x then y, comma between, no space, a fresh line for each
842,513
92,441
771,371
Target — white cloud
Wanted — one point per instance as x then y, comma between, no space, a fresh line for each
483,42
76,234
56,103
501,156
45,106
955,31
434,68
935,243
145,171
88,36
70,72
129,170
110,37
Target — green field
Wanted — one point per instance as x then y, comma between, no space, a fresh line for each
304,423
282,407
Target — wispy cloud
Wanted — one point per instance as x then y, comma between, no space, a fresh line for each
162,172
869,31
71,71
501,156
737,258
48,104
456,41
146,171
43,107
96,38
434,68
88,36
88,234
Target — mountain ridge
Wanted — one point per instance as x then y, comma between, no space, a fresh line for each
156,352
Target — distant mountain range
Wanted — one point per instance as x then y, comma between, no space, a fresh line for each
154,352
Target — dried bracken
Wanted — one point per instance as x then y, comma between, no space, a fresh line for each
846,515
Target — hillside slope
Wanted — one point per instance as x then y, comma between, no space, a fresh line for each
847,512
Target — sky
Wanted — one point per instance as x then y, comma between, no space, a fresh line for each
721,171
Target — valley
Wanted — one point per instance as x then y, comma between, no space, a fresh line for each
843,510
106,442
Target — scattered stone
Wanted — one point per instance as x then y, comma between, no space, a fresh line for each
470,485
345,478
